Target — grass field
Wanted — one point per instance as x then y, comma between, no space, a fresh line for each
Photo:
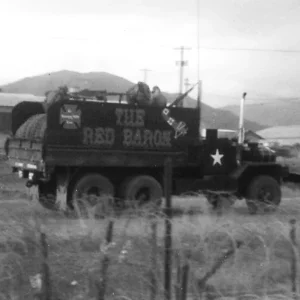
262,266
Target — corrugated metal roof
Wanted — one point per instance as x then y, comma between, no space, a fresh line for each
8,99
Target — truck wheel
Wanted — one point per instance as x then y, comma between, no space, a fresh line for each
263,192
92,192
142,191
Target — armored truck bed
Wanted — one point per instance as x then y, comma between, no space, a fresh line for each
85,133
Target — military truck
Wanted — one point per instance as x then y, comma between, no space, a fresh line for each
88,145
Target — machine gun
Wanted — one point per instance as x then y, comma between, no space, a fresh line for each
182,96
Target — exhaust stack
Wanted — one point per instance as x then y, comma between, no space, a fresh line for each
241,122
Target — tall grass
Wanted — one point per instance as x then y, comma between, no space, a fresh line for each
214,256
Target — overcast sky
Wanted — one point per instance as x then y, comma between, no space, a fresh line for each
122,37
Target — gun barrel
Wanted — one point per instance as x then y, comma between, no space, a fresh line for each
181,97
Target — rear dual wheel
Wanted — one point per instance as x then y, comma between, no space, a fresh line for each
142,191
93,194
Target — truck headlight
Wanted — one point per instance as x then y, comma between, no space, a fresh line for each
30,175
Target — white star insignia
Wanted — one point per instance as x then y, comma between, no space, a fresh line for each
217,157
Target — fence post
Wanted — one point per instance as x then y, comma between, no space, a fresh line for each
185,277
154,251
179,277
46,282
101,285
294,258
168,226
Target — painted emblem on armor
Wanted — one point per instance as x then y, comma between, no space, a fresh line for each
217,158
180,127
70,116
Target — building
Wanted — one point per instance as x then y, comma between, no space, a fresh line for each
252,137
7,102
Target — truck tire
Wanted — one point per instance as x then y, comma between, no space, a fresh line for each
92,192
263,192
142,190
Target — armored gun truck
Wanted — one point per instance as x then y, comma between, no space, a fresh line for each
83,145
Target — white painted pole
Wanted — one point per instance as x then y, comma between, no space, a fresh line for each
241,122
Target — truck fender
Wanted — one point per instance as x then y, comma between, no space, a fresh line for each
246,172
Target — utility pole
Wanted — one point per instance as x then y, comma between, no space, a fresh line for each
145,74
181,63
187,84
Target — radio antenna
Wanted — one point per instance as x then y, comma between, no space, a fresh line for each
198,61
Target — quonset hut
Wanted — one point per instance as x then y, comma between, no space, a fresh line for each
7,102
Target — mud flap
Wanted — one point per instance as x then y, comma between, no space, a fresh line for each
33,193
61,191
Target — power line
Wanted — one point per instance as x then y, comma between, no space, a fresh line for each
251,49
201,47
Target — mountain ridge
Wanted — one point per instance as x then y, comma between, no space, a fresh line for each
280,112
38,85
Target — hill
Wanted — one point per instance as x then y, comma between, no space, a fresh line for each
276,113
38,85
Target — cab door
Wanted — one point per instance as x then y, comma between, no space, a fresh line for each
219,155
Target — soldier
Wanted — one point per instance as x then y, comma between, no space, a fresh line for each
54,96
158,99
139,94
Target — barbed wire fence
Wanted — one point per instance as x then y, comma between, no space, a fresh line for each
141,259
